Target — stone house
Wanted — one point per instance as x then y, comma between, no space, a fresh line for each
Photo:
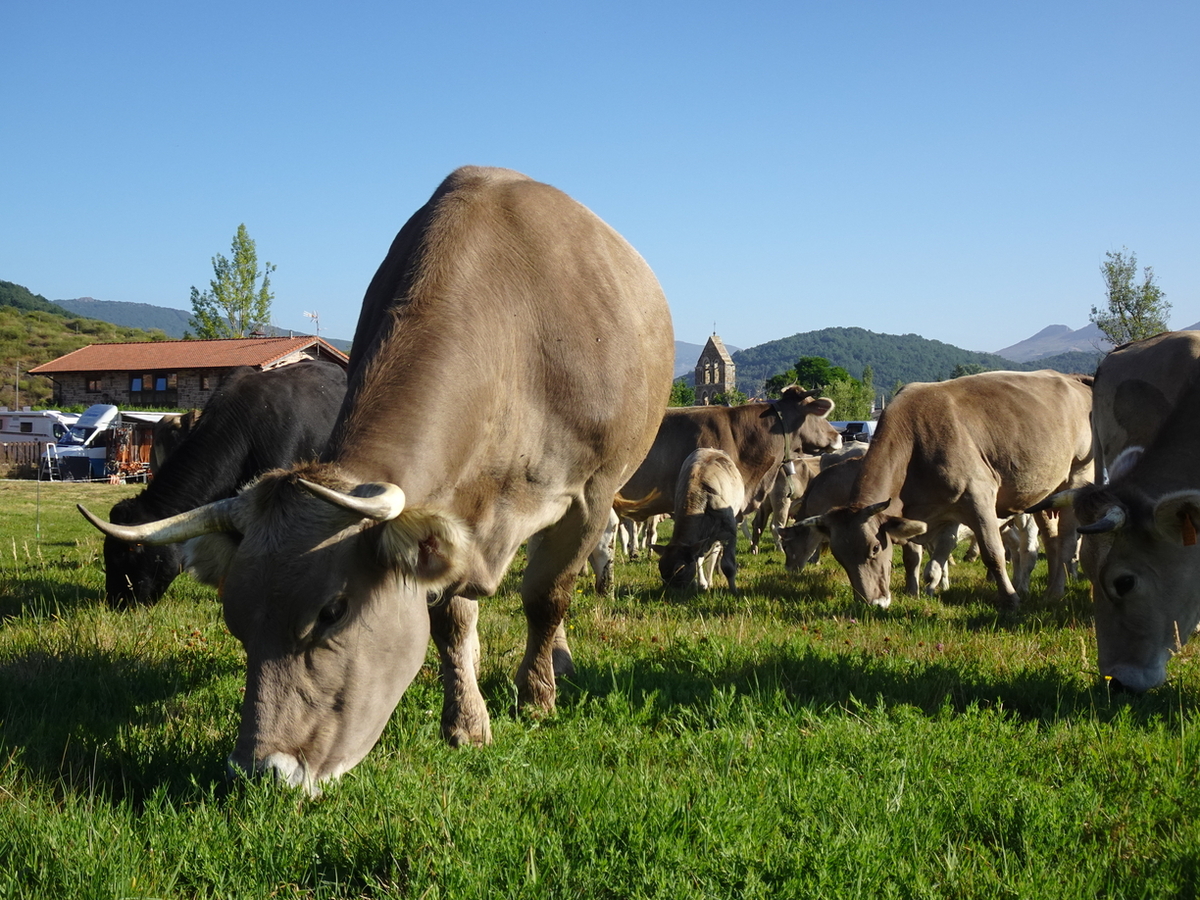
181,374
715,372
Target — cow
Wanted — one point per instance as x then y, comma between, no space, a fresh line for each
1139,530
829,489
635,537
973,450
168,433
708,497
756,436
509,370
788,484
255,421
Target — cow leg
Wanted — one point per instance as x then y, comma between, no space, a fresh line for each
910,552
937,570
729,563
555,556
707,566
453,625
991,548
761,515
602,556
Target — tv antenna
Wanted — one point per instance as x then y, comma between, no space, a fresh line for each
316,319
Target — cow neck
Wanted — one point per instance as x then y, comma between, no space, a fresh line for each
787,445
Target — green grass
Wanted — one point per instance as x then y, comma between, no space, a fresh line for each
782,742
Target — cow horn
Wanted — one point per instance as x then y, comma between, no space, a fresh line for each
1113,519
211,517
876,507
378,500
1061,500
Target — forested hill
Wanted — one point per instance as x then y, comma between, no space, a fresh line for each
25,300
893,358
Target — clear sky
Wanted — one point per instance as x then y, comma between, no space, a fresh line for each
956,170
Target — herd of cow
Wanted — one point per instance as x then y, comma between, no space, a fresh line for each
508,384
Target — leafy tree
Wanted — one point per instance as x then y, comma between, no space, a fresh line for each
967,369
851,398
1134,311
729,398
235,304
682,394
774,386
815,372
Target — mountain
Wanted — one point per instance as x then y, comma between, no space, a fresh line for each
1055,339
172,322
20,297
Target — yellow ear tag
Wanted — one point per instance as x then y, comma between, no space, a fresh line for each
1189,531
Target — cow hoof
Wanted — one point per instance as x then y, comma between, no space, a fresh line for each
478,734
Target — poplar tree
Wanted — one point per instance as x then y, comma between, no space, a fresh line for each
236,303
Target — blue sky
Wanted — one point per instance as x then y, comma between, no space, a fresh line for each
955,170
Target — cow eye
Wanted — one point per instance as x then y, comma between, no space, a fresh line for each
1123,584
332,612
876,549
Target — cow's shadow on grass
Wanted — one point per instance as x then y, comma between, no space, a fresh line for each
43,596
117,724
670,681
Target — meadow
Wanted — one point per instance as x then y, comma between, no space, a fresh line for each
784,741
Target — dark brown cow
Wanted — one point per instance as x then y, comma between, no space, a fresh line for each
974,450
757,437
510,368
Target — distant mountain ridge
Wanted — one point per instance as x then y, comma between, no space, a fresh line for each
1056,339
172,322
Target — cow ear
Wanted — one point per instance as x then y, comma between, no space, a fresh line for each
821,523
209,557
821,406
1177,516
900,529
426,545
658,548
1126,460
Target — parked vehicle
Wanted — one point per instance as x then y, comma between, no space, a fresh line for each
44,426
81,454
856,431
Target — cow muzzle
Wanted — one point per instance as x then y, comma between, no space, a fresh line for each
280,768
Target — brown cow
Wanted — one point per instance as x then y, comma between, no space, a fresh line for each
510,368
757,437
1139,546
974,450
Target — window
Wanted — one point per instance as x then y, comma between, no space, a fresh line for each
204,385
95,384
26,428
135,384
153,389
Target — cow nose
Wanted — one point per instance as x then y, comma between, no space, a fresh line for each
281,768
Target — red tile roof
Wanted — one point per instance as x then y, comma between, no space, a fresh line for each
150,355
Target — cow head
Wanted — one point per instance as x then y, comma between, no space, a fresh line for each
325,582
137,573
1141,556
800,544
805,416
677,563
860,538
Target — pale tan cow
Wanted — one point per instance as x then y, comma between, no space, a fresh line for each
509,372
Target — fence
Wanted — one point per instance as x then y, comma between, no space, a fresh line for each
19,459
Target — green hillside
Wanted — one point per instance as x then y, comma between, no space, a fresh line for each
32,334
894,358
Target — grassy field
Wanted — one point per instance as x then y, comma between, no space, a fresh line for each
782,742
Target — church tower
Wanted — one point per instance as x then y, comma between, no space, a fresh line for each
715,372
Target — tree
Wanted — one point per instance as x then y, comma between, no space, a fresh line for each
1134,311
682,394
966,369
815,372
235,304
729,398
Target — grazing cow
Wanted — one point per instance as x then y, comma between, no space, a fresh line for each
1139,530
255,421
786,488
708,497
510,368
757,437
973,450
829,489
